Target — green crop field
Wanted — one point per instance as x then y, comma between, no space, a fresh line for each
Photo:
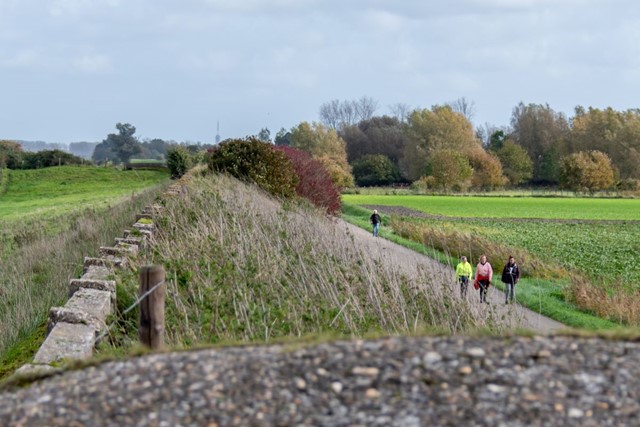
52,192
603,251
508,207
598,239
605,247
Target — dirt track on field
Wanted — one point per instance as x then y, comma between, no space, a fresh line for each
403,211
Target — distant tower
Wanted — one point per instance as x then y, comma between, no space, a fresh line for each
218,133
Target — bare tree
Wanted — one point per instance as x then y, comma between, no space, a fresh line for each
337,114
330,114
400,111
365,107
348,114
465,107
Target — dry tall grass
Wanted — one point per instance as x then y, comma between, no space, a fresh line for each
615,301
35,274
243,267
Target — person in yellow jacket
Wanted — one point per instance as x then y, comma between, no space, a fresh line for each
464,272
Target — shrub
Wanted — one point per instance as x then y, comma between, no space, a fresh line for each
47,158
375,169
178,161
10,154
587,170
424,184
255,161
314,181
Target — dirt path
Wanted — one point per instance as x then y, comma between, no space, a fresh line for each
513,316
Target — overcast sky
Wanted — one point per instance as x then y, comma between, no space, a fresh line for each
71,69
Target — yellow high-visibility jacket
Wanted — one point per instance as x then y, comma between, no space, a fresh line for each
464,269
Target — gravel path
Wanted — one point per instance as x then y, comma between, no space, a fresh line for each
514,316
430,381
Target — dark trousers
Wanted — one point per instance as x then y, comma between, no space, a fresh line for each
484,289
464,284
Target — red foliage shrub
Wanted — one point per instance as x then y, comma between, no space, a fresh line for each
314,181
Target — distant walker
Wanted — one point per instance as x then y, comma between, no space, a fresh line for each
375,220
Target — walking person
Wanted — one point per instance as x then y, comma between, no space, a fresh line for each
375,220
464,271
510,276
484,274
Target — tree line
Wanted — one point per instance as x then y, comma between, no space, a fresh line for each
438,148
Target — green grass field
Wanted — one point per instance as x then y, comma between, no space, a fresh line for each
508,207
52,192
603,247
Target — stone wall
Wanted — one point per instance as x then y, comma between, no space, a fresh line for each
75,328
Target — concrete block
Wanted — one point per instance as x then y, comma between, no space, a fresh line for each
94,272
95,302
100,285
152,209
106,251
130,240
67,341
139,226
107,261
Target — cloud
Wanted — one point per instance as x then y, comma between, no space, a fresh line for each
92,64
26,58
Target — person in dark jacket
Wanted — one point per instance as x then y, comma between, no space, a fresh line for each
375,221
510,276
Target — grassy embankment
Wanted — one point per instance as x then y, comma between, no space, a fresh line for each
51,218
568,264
242,267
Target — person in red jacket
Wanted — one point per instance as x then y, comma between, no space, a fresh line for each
484,274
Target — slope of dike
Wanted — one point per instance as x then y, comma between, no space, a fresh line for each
429,381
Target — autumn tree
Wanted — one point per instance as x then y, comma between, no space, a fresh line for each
615,133
449,168
439,128
326,146
314,181
587,171
544,133
487,169
516,164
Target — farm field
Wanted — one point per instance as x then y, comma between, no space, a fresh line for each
509,207
596,238
52,192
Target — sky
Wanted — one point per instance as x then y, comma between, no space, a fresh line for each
71,69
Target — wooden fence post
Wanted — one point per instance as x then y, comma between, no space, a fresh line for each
151,327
